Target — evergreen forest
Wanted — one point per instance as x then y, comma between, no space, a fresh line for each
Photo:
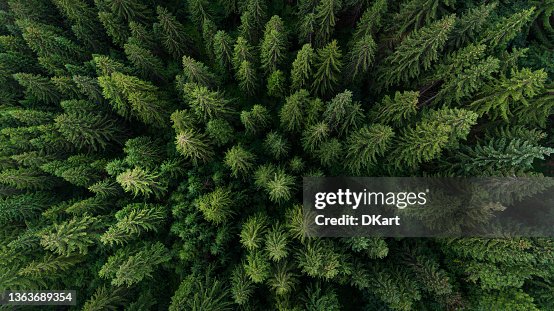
152,152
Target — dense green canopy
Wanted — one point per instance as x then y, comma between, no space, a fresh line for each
152,152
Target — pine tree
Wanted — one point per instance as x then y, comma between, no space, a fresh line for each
502,156
197,293
317,298
318,259
280,187
37,88
128,10
460,122
143,151
104,298
242,51
420,144
283,280
142,36
133,269
220,131
256,266
144,61
26,179
209,29
329,66
276,145
307,29
216,206
538,110
314,135
464,73
416,13
84,20
80,170
20,207
132,96
242,287
49,266
252,232
276,243
54,51
115,27
199,11
330,152
255,16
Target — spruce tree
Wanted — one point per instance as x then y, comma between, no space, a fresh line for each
328,68
519,88
301,71
205,104
242,51
471,23
401,107
247,77
506,29
421,143
365,145
326,19
216,206
256,119
292,112
239,160
274,44
130,95
417,51
361,56
276,83
196,72
371,20
223,50
193,145
71,237
171,33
